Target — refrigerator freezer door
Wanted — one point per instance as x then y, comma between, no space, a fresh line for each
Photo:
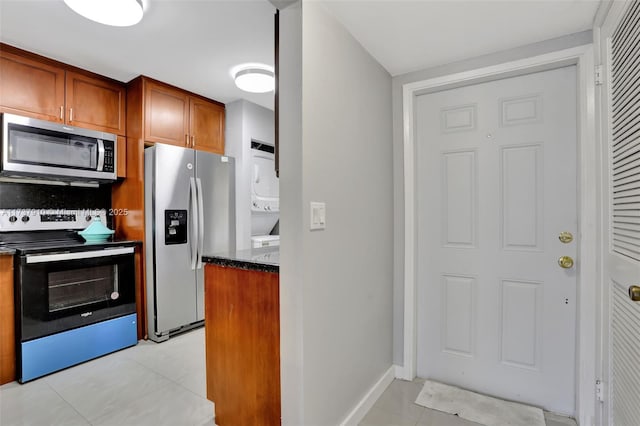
216,177
174,280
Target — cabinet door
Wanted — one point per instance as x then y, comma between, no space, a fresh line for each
7,330
94,103
121,163
207,126
31,88
166,115
242,345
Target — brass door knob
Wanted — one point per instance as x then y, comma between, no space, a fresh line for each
565,262
634,293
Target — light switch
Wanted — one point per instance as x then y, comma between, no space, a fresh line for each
318,216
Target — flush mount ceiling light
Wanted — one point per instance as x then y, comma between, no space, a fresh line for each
118,13
254,78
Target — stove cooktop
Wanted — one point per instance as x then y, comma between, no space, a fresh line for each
29,231
52,241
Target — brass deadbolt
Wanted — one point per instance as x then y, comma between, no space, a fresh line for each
565,237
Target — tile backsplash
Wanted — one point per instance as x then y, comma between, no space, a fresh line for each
28,195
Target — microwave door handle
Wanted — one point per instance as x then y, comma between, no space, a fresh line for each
200,222
100,155
194,223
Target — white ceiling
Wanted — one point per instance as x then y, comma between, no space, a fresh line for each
192,44
406,36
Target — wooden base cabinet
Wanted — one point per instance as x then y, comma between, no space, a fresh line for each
242,329
7,321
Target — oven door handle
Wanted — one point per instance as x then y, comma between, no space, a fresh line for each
58,257
194,224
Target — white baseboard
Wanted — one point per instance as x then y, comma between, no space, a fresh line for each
362,408
402,373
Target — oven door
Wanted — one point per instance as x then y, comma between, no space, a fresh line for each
62,291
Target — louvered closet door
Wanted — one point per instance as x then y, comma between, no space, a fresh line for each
621,102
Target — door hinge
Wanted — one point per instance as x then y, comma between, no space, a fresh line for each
599,391
598,75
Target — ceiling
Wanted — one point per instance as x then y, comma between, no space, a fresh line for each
193,44
406,36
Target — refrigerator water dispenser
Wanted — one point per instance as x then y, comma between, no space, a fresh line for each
175,227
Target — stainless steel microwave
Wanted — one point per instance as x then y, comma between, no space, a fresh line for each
45,150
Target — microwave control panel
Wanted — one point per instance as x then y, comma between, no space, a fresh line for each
109,156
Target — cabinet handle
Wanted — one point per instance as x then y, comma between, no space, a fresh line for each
193,141
186,140
61,112
70,115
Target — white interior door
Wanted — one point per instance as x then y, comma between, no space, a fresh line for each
496,186
620,45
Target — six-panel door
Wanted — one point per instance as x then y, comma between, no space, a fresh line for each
496,188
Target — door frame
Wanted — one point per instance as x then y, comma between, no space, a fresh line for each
587,179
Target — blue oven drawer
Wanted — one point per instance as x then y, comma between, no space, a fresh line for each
45,355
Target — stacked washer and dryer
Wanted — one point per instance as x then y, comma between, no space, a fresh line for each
265,197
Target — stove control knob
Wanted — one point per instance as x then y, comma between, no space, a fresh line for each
25,218
13,219
88,218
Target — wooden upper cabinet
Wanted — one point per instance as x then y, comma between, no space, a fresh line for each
160,113
121,160
207,126
95,103
31,88
166,115
34,86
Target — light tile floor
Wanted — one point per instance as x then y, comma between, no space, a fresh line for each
148,384
396,407
164,384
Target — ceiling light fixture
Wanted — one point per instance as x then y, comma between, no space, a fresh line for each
118,13
255,78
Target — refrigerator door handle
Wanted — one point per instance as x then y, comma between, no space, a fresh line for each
194,223
200,223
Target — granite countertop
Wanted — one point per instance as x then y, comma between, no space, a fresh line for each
263,259
7,251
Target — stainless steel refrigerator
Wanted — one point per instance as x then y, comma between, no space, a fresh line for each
189,211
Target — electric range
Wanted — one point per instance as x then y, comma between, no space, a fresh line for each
74,300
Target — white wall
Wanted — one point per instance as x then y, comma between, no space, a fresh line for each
336,284
291,216
245,121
